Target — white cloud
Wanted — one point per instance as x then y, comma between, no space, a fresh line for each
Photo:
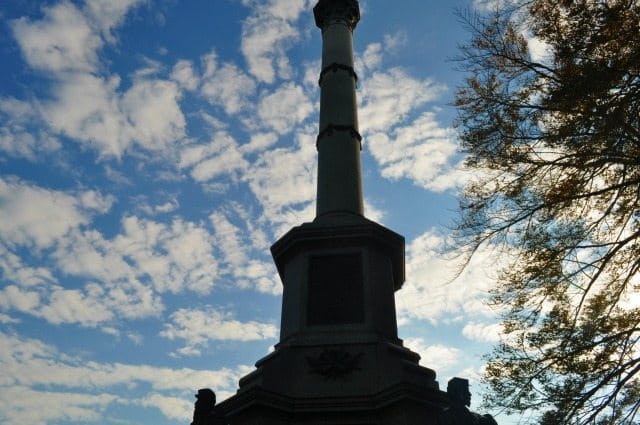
167,207
184,75
67,38
284,182
396,40
33,216
227,86
371,58
14,270
228,238
18,144
120,290
285,9
171,407
491,5
388,97
124,275
86,106
423,151
247,272
18,137
16,110
222,156
267,33
79,390
311,72
260,276
150,68
74,306
62,41
5,319
374,213
108,14
434,292
482,332
174,256
91,110
435,356
163,208
539,50
14,298
154,116
95,201
198,327
260,142
405,146
285,108
19,405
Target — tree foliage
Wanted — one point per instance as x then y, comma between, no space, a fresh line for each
554,138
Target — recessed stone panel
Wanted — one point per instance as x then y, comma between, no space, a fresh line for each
336,290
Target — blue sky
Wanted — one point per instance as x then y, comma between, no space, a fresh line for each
151,152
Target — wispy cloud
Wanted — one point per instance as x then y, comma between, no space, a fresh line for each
89,106
37,217
220,157
434,290
285,108
19,134
184,74
92,110
87,388
68,38
435,356
227,86
482,332
266,35
133,268
388,97
63,40
176,408
422,151
283,179
199,326
242,254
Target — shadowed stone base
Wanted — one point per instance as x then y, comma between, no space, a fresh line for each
401,405
376,383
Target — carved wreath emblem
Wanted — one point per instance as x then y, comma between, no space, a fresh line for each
335,363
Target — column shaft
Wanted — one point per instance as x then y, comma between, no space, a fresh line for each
339,141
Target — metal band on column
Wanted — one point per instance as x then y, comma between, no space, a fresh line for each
335,67
329,129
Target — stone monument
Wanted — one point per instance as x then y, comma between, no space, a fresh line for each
339,359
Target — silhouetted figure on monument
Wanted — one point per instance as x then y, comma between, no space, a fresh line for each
458,413
205,412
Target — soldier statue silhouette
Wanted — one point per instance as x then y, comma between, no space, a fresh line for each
458,413
205,412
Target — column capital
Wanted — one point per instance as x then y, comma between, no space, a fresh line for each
347,11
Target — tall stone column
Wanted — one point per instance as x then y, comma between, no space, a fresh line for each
339,360
339,140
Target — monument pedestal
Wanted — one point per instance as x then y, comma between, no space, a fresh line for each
339,360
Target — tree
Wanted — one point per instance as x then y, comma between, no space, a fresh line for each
554,140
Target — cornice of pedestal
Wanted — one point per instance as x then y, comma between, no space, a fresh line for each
327,11
341,230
